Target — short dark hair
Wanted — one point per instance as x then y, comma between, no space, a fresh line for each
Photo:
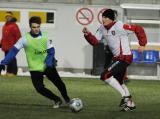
110,13
34,19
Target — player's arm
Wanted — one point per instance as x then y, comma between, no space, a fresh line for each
140,33
50,54
9,57
11,54
89,37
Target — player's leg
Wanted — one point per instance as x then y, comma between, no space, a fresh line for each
54,77
126,102
37,80
119,72
127,96
12,68
107,76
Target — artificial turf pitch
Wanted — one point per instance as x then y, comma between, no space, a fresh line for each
19,100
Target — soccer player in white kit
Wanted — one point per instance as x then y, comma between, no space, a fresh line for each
115,34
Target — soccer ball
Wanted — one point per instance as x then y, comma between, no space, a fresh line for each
76,105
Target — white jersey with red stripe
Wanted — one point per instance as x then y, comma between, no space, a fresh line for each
116,38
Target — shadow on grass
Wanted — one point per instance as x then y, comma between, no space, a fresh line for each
20,104
63,106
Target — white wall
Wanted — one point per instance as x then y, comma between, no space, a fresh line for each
72,51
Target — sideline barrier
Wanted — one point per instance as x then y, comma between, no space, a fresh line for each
136,56
150,56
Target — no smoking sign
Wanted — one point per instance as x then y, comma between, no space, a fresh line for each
84,16
100,15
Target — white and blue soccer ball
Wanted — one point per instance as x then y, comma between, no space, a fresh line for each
76,105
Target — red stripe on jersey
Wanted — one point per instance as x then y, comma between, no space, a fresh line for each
139,31
126,58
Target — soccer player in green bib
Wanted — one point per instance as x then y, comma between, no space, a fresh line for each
40,57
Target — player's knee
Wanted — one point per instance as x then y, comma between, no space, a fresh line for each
39,89
119,79
104,76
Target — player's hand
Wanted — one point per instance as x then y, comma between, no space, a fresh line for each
85,31
2,67
141,48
